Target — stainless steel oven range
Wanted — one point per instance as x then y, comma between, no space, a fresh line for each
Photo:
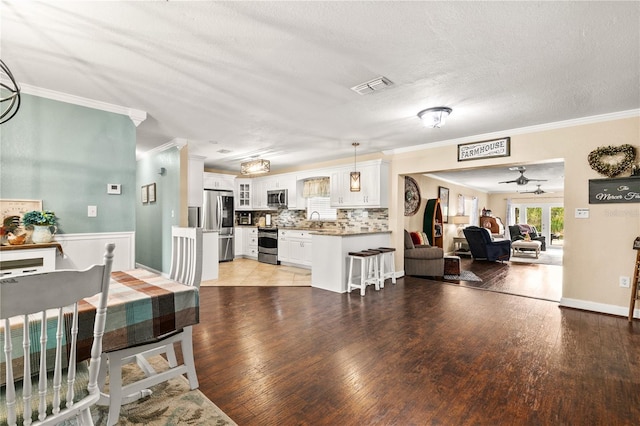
268,245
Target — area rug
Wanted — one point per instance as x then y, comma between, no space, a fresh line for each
171,403
464,276
552,256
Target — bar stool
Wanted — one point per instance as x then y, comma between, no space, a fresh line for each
387,256
369,270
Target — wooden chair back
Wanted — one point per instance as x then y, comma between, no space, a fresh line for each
51,298
186,255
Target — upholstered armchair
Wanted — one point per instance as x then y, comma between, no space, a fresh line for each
422,260
494,225
483,247
518,231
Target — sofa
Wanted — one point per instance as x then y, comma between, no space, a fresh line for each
519,231
422,259
483,247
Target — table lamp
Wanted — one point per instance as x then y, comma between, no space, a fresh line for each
460,220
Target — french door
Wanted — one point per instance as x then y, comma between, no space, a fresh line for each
548,218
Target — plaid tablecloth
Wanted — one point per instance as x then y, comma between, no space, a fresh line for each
142,307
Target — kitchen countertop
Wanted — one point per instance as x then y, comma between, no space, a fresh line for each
324,231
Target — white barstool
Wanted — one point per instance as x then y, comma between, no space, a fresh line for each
387,258
369,270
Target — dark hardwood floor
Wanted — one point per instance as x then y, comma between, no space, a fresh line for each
415,353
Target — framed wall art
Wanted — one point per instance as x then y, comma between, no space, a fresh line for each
152,193
443,195
144,194
484,149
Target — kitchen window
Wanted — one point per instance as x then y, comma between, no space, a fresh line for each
321,205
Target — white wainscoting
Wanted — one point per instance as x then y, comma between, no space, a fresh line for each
83,250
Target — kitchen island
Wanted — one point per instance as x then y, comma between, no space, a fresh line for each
330,263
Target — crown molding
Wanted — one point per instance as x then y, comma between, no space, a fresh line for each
136,115
175,143
522,130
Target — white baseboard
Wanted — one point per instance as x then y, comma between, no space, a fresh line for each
602,308
83,250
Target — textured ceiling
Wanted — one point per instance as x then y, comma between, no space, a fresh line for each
273,78
488,179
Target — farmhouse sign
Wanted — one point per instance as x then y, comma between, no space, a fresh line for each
619,190
484,149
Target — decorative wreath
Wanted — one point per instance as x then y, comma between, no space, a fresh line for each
612,168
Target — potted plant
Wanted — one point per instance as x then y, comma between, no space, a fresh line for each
41,222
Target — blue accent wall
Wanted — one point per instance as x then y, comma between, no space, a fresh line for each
154,220
65,155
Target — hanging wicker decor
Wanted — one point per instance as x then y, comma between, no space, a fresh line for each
612,160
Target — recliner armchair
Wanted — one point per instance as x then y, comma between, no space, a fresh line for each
483,247
422,260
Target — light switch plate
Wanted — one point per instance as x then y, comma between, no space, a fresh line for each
92,211
582,213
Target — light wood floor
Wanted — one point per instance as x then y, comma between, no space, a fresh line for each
251,273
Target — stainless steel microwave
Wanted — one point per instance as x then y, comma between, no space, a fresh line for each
277,198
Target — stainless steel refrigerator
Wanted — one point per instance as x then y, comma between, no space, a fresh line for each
217,215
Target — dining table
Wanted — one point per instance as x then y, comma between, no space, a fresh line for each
142,306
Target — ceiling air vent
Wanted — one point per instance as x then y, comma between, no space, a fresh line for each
371,86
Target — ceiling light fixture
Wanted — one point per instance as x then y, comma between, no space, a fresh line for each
255,167
13,97
434,117
354,181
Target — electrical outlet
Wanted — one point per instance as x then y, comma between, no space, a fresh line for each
92,211
624,282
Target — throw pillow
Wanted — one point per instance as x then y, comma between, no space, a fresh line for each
416,238
425,239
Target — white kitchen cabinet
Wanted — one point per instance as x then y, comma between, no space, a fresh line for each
259,195
195,181
294,247
374,186
243,194
340,193
219,181
250,242
238,241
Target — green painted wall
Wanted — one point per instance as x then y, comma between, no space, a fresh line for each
65,155
154,220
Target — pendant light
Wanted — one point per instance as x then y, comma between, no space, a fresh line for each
354,181
12,90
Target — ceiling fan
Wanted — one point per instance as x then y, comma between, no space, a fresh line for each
538,191
522,179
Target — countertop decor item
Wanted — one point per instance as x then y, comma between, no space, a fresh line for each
612,160
16,240
42,222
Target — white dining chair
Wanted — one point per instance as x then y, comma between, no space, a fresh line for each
60,388
186,268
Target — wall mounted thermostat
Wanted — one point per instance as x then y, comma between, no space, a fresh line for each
113,188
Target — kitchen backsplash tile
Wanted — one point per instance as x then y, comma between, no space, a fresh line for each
348,219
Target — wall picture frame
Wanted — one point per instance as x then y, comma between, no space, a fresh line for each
152,192
443,195
144,194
